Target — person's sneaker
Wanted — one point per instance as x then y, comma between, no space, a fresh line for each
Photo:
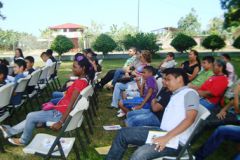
15,141
4,131
121,114
119,111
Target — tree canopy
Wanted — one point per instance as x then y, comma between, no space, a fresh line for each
104,43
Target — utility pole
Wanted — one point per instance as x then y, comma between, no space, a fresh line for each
138,18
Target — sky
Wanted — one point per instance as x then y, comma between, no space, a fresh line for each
33,15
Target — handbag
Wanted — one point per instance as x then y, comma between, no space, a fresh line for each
48,106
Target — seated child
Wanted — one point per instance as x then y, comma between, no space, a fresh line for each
148,90
46,58
19,68
29,64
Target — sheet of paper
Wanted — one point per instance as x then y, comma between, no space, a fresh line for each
112,127
103,150
173,143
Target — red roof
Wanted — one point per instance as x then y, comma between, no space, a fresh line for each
68,25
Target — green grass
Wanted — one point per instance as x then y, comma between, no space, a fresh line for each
108,117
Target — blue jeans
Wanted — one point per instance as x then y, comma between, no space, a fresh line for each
119,87
130,103
142,117
27,126
118,74
207,104
222,133
56,97
136,136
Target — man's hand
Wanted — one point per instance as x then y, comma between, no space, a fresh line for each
56,126
222,115
160,143
137,107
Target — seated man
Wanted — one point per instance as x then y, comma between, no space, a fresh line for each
207,64
152,116
168,62
178,116
221,134
213,89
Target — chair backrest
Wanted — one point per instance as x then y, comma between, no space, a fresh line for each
58,65
76,114
51,70
100,61
5,94
22,84
87,92
44,73
159,83
203,113
10,70
35,77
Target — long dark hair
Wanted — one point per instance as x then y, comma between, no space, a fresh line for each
84,62
20,51
223,65
197,56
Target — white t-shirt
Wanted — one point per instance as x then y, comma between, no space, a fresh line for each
169,64
49,62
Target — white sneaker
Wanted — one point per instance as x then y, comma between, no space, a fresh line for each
4,131
121,114
119,111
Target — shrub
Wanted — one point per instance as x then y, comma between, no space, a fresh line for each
61,44
236,42
183,42
213,42
142,41
104,43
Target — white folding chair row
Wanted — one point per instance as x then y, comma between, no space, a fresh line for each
202,115
5,94
58,145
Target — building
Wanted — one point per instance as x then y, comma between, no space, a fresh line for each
70,30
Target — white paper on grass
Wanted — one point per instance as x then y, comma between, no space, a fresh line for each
173,143
112,127
47,143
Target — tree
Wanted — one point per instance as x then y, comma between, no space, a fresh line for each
213,42
232,12
61,44
47,34
183,42
189,24
143,41
1,6
236,42
215,26
104,43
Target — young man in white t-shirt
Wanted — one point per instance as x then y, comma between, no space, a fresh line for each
178,116
45,57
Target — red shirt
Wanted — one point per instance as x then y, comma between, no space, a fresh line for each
216,85
78,85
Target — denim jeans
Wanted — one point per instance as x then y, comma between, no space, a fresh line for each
142,117
27,126
130,103
222,133
118,74
119,87
136,136
207,104
56,97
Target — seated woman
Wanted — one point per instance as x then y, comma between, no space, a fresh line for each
213,89
59,113
192,66
145,59
152,116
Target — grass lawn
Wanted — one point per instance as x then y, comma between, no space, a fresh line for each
108,117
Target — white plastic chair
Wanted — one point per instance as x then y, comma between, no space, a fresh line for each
159,84
100,61
185,154
42,83
58,65
59,146
5,94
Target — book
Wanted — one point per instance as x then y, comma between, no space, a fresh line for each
173,143
112,127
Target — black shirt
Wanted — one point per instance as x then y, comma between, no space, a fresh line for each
163,98
189,69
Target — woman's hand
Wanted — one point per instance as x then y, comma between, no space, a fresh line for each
222,114
56,126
